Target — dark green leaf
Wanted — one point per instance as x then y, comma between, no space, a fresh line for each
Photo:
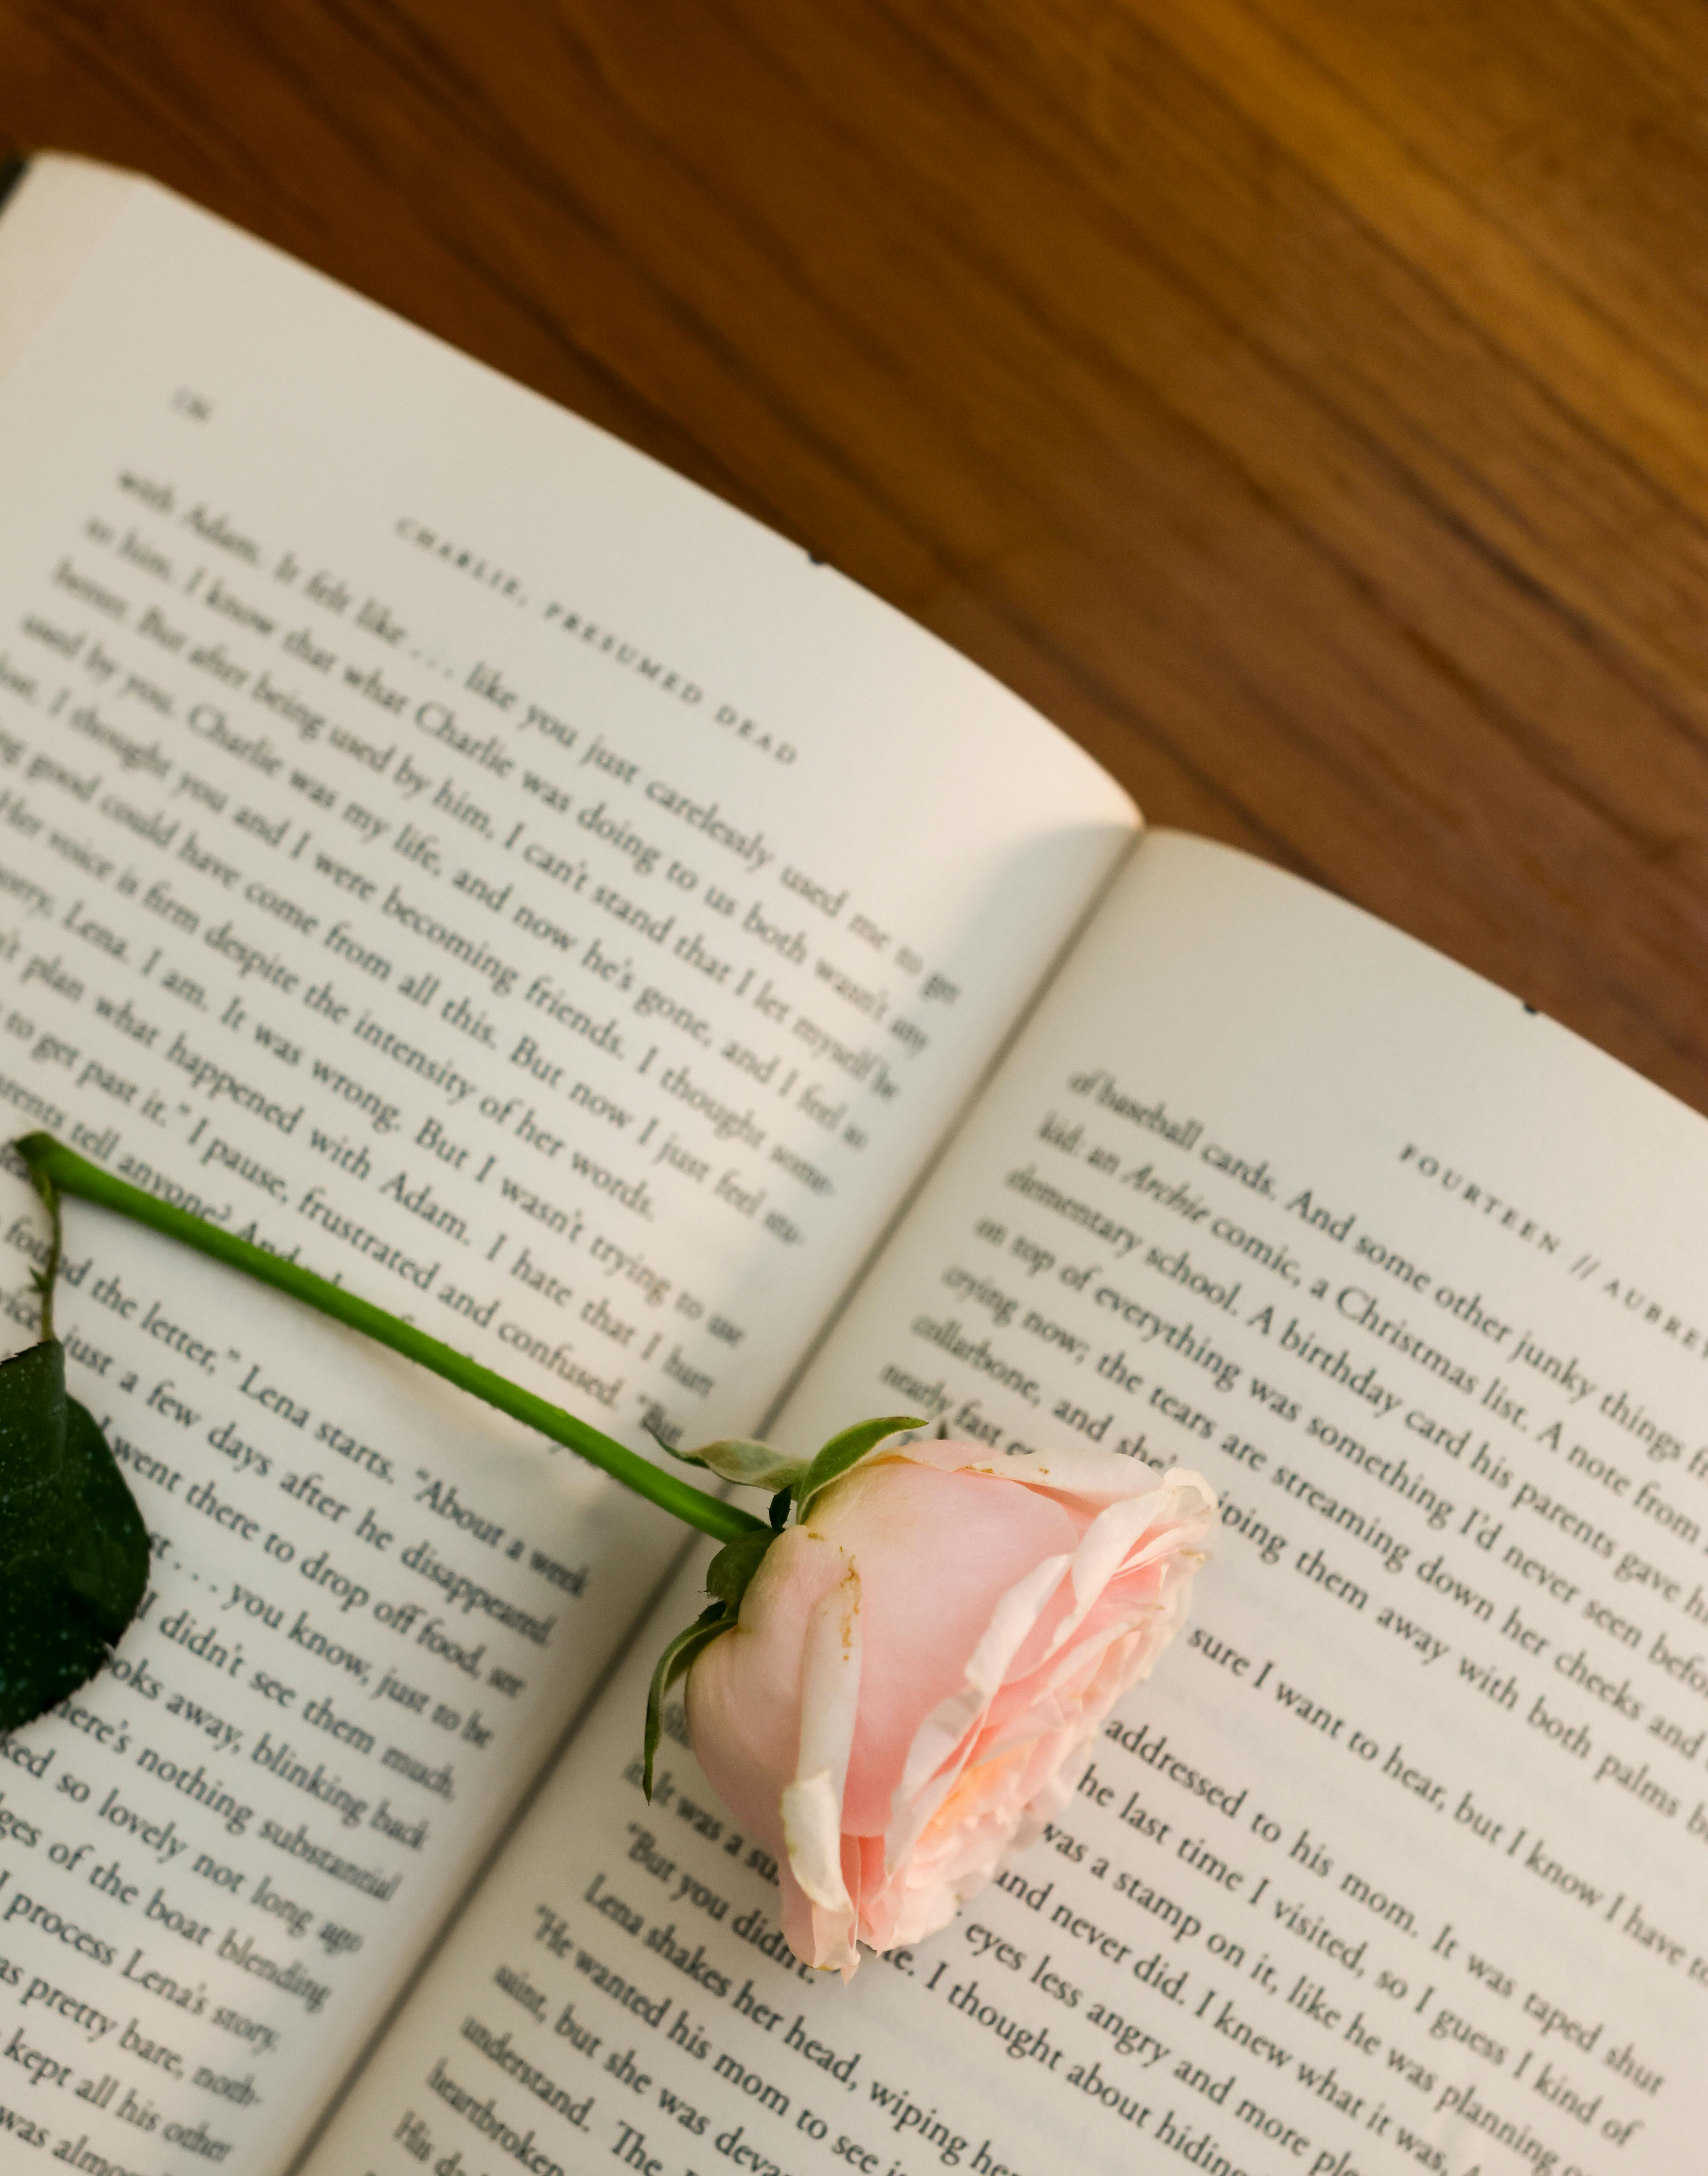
73,1550
32,1456
735,1563
675,1659
847,1450
106,1558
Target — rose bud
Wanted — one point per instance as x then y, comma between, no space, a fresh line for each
916,1667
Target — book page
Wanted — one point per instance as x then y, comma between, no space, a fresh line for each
1396,1863
441,845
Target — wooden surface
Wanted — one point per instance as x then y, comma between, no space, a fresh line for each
1304,402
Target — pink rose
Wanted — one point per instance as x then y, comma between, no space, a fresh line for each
916,1667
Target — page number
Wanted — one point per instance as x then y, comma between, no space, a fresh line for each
196,405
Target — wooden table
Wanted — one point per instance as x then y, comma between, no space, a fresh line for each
1305,402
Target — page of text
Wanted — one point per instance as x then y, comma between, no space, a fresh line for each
440,845
1397,1863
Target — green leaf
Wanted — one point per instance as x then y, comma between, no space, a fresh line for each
32,1454
107,1556
727,1574
845,1451
751,1464
675,1659
73,1550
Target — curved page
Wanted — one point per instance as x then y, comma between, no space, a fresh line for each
435,841
1396,1865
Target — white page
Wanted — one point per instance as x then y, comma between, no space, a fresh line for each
438,841
1395,1863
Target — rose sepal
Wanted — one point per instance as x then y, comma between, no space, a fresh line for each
844,1450
671,1665
740,1459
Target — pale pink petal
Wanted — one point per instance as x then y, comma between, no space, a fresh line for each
744,1691
811,1804
946,1727
1094,1478
937,1552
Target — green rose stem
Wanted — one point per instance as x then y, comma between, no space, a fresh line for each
59,1170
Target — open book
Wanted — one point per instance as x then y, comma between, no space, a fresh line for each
437,841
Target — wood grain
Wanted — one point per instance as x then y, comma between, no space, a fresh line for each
1304,402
